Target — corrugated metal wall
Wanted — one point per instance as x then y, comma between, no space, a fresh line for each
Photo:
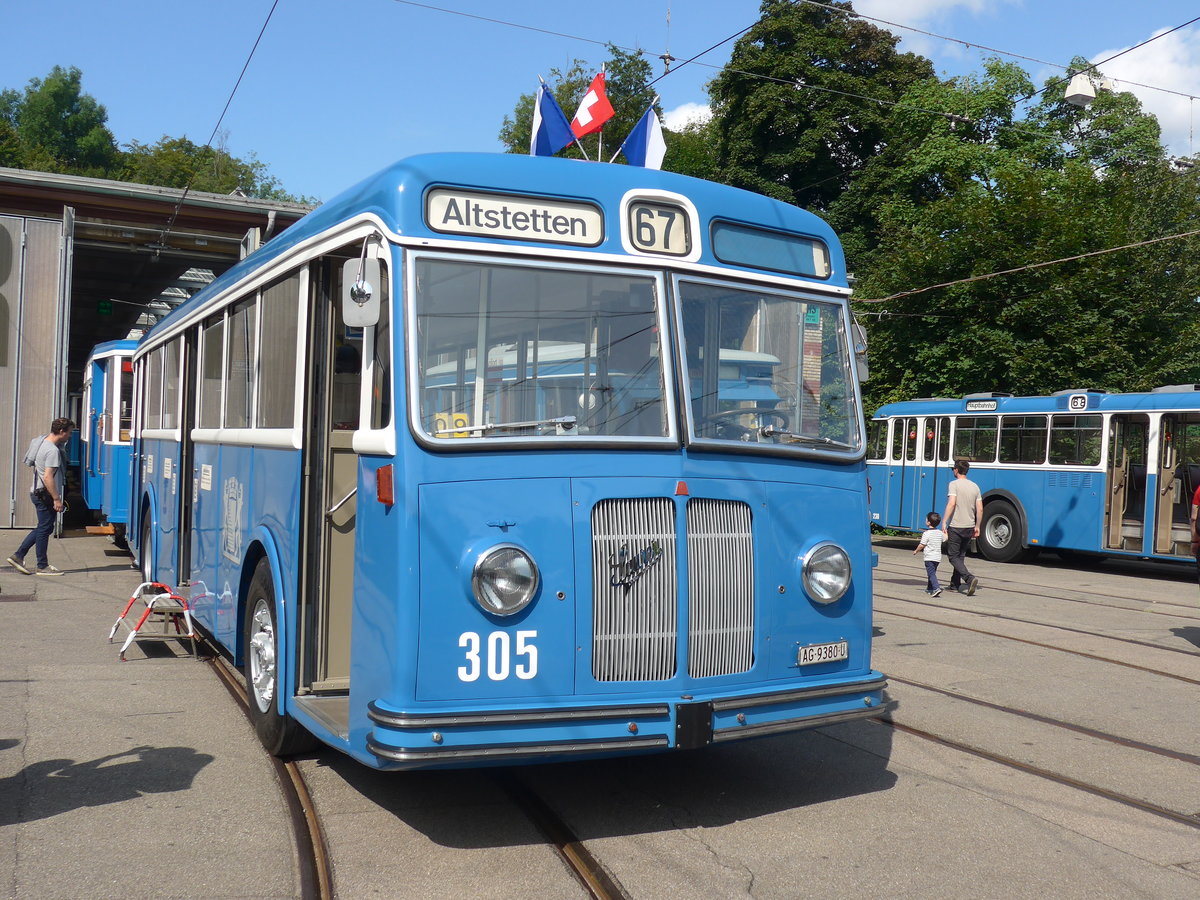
32,336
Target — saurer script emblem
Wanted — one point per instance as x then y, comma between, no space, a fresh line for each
627,567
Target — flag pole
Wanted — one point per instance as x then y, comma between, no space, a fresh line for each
600,130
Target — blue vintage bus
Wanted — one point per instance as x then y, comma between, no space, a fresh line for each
498,458
105,433
1080,471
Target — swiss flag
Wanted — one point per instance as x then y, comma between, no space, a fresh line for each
594,109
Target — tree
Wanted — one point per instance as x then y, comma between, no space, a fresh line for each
59,128
997,193
790,116
178,162
626,78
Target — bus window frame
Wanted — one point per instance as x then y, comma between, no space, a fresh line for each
995,429
412,391
1076,429
1019,432
736,281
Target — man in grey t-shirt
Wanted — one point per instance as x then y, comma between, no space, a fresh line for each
964,511
47,489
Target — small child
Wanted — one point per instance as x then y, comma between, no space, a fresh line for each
931,543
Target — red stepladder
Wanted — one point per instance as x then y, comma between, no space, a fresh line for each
163,606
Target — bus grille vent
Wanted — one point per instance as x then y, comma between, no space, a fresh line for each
720,547
634,589
636,592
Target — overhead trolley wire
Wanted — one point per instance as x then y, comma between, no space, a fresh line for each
1029,267
162,238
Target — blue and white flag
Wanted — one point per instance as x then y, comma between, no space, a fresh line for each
645,145
551,128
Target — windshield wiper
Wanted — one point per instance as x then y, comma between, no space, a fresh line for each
561,424
793,438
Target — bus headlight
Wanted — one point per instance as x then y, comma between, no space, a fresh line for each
826,572
504,579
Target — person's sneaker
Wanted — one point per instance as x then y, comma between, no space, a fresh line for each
49,570
18,563
936,593
972,586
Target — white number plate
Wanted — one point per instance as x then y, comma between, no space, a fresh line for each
819,653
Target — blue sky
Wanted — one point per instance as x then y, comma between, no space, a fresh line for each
339,88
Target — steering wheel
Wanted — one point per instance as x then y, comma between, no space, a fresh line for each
726,428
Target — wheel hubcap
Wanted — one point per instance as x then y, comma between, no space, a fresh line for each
261,654
999,532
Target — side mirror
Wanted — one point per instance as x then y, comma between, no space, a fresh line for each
361,290
858,336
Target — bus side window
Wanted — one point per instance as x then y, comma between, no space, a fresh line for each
944,440
897,453
975,438
910,439
877,439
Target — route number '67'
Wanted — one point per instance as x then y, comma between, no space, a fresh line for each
499,657
659,228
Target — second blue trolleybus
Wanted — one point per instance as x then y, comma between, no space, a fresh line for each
1081,471
105,432
501,458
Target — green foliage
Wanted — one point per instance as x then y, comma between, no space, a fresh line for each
52,126
690,151
999,193
789,118
626,76
178,162
57,127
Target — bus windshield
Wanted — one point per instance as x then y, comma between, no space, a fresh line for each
765,367
536,353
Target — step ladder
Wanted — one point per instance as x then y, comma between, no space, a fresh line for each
166,617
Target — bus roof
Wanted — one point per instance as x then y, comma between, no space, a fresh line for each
396,196
1084,400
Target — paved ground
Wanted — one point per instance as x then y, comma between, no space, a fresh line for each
121,779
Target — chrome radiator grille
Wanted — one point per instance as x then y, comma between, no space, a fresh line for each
636,593
634,587
720,546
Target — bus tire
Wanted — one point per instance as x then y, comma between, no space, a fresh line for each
279,733
146,550
1000,532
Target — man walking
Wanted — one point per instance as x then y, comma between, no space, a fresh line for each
47,491
964,512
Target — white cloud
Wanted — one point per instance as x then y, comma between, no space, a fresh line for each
677,118
1171,62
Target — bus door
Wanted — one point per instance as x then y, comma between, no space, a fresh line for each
1178,471
902,471
935,474
335,377
1125,479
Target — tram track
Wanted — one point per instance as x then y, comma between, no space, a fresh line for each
1190,820
594,878
1046,646
900,576
315,865
1167,752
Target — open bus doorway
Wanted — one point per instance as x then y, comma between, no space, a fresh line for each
1125,505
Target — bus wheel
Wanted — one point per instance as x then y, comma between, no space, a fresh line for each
1000,533
119,537
146,551
278,732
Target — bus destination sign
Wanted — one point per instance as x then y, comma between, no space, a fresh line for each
457,211
981,405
